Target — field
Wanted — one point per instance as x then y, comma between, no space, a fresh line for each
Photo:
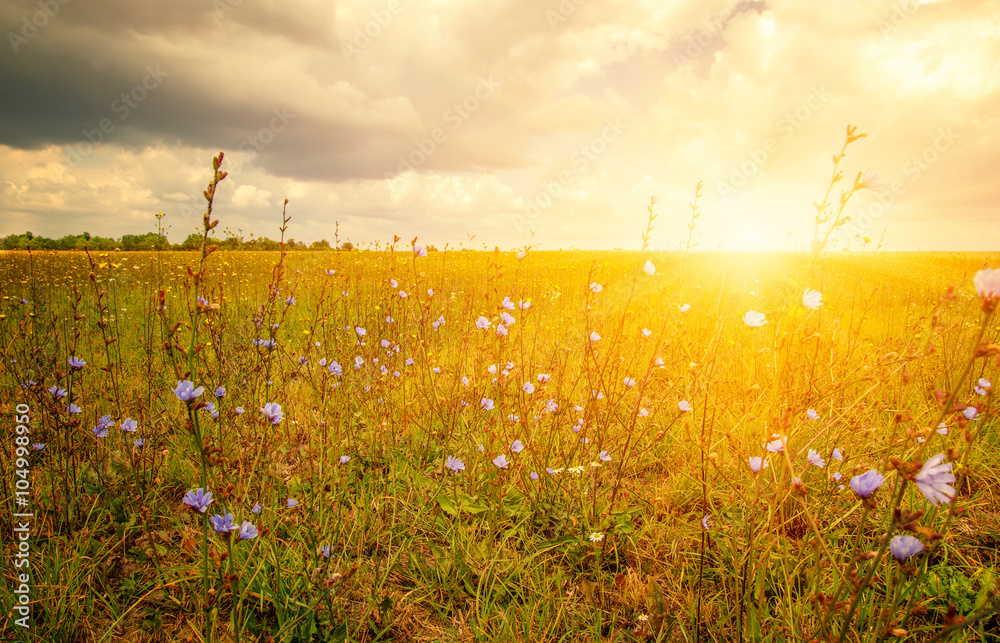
498,446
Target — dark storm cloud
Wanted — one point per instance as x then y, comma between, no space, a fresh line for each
111,66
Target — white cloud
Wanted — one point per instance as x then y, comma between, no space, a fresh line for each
249,196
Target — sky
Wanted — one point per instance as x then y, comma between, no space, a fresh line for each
506,123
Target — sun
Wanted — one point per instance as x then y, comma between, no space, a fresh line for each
749,238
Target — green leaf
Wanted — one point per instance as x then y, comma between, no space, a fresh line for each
447,504
473,504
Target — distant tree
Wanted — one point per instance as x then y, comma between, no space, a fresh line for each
148,241
347,246
193,242
322,244
161,242
28,235
102,243
263,243
69,242
15,241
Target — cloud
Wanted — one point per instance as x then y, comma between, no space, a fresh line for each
248,196
442,118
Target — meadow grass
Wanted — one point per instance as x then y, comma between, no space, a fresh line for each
435,471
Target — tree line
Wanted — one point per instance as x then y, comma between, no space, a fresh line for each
154,241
